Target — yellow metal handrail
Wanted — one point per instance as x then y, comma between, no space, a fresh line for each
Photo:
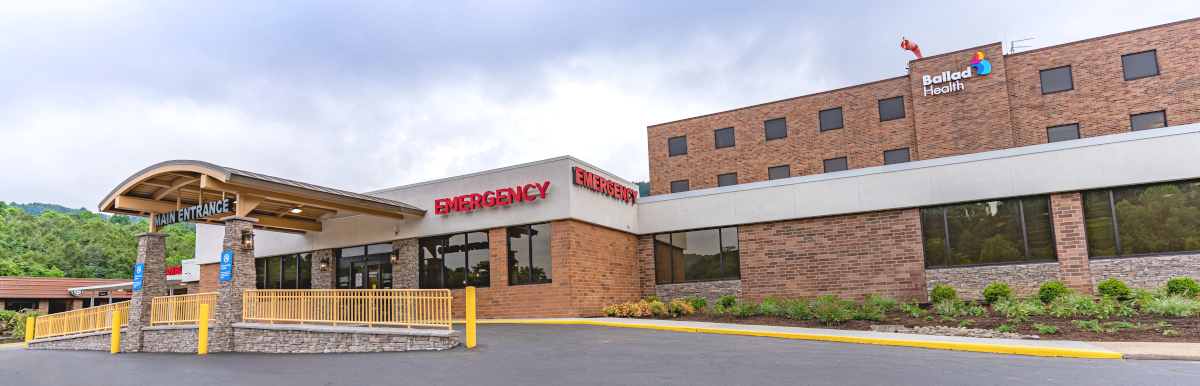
180,309
91,319
404,307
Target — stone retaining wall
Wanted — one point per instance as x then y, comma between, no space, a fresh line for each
181,338
710,291
99,341
970,281
306,339
1146,272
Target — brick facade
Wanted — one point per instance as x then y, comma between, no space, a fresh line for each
1070,241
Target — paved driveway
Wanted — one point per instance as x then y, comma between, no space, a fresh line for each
591,355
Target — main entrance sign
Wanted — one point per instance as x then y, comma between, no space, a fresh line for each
600,184
195,212
491,198
931,82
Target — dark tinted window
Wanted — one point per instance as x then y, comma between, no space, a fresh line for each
1062,133
678,145
529,254
835,165
776,128
1140,65
1147,121
1057,80
897,156
679,186
988,232
710,254
890,109
284,272
727,179
831,119
724,137
778,172
1149,219
454,261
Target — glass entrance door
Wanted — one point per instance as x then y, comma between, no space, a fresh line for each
366,275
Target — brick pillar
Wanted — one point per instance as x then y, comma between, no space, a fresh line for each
648,278
405,270
151,251
323,278
229,293
1070,240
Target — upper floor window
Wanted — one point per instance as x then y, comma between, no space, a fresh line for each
710,254
1062,133
724,137
988,232
778,172
284,272
1140,65
830,119
891,108
897,156
679,186
1143,220
776,128
529,254
836,165
1146,121
455,261
727,179
677,145
1057,80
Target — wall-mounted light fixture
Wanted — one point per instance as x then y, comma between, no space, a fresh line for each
395,256
324,263
247,239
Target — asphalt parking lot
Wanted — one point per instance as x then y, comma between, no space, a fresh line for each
591,355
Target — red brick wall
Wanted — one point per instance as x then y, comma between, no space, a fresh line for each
849,256
646,275
1070,241
972,120
591,267
209,276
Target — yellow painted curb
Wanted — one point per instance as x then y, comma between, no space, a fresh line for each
12,345
975,347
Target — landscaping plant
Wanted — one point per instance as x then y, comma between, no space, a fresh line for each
883,303
913,308
1048,330
1005,328
1185,286
6,321
1170,332
773,306
652,299
942,292
946,319
832,313
697,303
680,308
745,309
800,309
966,323
726,301
1174,305
1018,308
1051,290
1113,287
953,307
996,291
18,321
868,311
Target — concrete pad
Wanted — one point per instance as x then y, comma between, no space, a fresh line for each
1154,350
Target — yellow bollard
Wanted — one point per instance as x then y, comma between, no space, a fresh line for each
470,317
202,345
116,332
29,324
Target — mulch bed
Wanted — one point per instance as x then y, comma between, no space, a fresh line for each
1187,327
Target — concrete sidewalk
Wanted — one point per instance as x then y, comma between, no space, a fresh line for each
1055,348
1154,350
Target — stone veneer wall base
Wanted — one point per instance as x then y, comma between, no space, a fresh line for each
1025,279
1146,272
308,339
710,291
98,341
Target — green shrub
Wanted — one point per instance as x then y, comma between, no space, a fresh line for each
966,323
1126,310
1005,328
800,309
1093,325
1048,330
951,307
912,308
680,308
1174,305
868,312
1051,290
726,301
1185,286
832,313
1113,287
18,321
883,303
1018,308
1125,324
1082,305
1170,332
745,309
773,306
946,319
996,291
658,309
942,292
975,309
928,318
697,303
826,299
653,299
6,321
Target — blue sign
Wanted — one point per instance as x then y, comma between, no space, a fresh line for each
137,276
226,266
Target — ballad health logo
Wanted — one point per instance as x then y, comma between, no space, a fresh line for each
981,66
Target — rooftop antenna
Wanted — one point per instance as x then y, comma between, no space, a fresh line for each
1012,46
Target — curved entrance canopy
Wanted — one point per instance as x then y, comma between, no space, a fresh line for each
278,204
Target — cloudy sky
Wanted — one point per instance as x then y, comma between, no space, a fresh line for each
371,95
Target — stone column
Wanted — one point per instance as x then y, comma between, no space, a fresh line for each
406,270
229,293
1070,241
151,251
323,278
44,306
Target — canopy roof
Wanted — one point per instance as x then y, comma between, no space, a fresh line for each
173,185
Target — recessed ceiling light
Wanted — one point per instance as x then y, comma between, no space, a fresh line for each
296,210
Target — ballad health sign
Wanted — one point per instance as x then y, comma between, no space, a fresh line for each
932,83
195,212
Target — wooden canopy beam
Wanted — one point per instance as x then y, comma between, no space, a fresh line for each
163,192
207,182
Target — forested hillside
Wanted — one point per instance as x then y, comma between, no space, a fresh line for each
79,244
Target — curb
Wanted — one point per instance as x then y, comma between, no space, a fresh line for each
973,347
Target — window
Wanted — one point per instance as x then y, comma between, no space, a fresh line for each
364,267
1057,80
988,232
727,179
1062,133
835,165
284,272
455,261
1148,121
677,145
897,156
892,108
1143,220
679,186
710,254
529,254
776,128
1140,65
830,119
724,137
22,304
778,172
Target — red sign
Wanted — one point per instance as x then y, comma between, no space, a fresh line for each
490,198
603,185
176,270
